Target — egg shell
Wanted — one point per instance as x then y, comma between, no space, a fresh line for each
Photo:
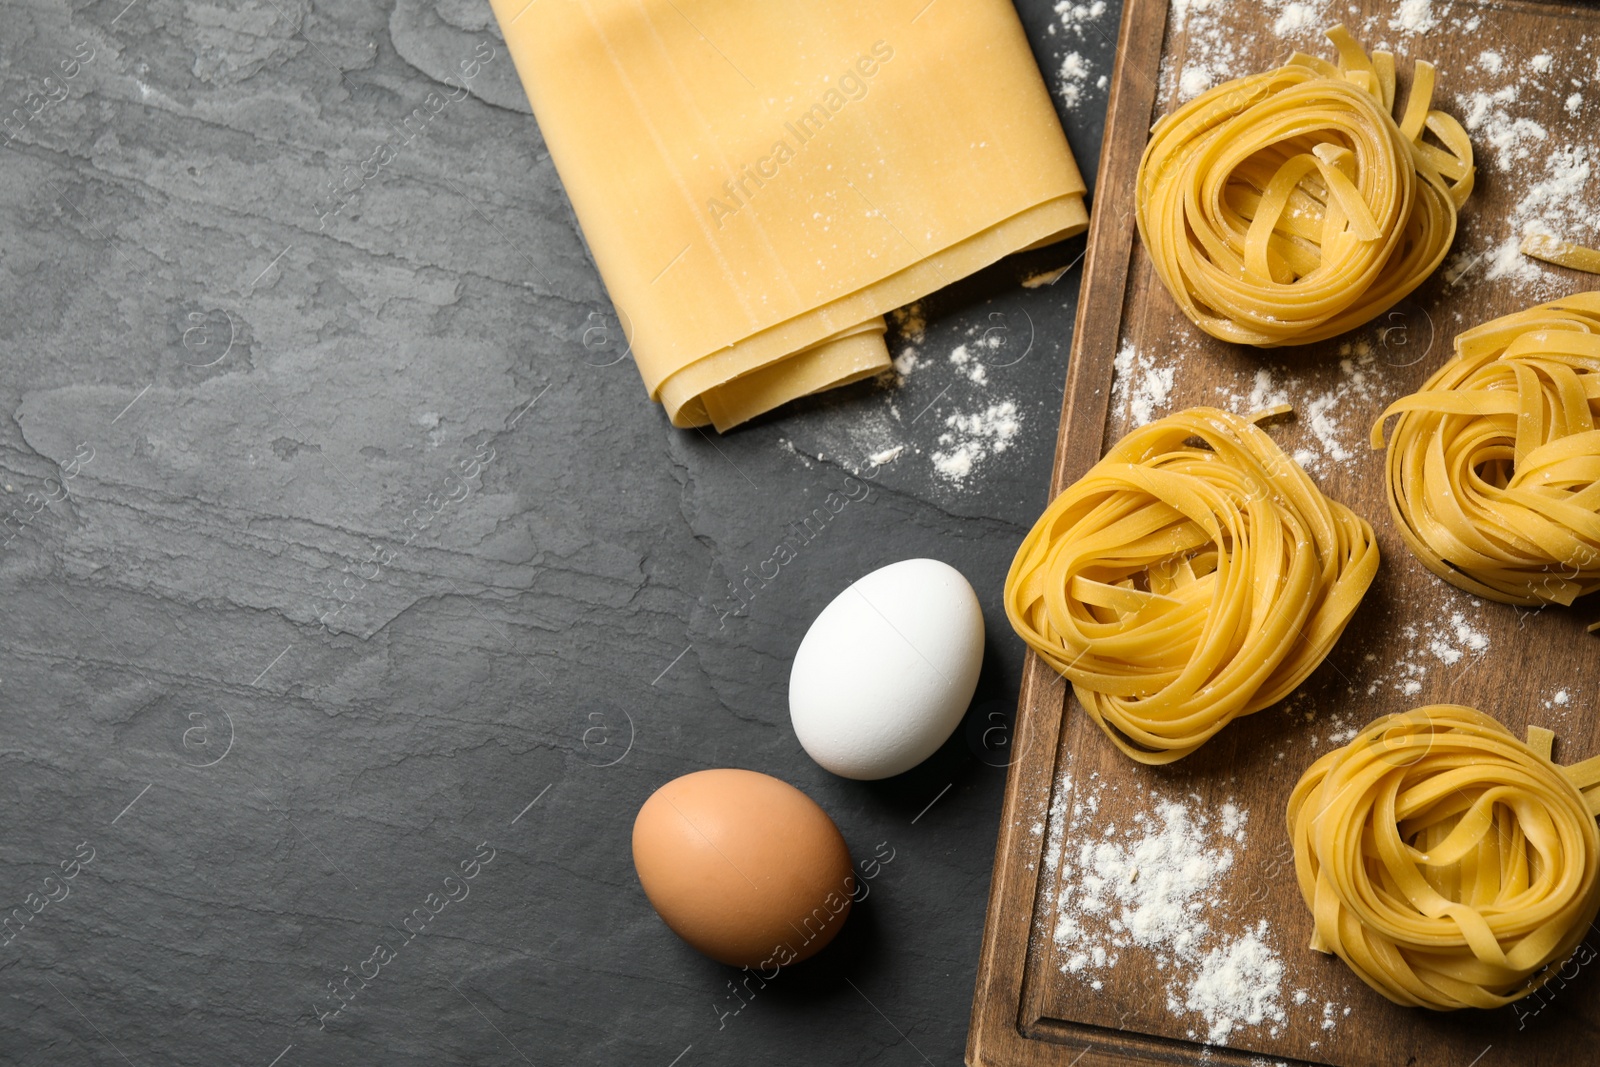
886,672
744,867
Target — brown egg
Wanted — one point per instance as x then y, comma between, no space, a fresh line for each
747,869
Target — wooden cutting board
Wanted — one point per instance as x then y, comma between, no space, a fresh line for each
1414,641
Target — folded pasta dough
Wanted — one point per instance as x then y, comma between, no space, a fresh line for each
759,183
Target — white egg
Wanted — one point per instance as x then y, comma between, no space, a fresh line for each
887,670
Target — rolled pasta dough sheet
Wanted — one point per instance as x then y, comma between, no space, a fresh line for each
759,183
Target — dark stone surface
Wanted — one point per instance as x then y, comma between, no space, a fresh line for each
229,391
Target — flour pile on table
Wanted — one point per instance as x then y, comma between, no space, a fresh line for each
969,439
1416,16
1326,411
1155,887
1552,166
1077,22
1338,415
1139,385
1213,54
1440,642
959,400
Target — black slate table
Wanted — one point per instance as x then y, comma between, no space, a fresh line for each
355,596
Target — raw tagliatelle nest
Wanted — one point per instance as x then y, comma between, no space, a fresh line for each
1286,207
1446,862
1493,468
1195,574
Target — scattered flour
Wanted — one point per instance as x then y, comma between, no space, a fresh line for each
1238,983
1181,8
982,426
1333,418
910,322
1070,78
905,363
1488,118
1138,386
912,326
1296,17
1152,892
1265,393
969,364
1355,392
1195,80
1443,642
788,446
1076,20
1550,163
1212,54
970,439
1558,703
1299,19
1553,206
1414,16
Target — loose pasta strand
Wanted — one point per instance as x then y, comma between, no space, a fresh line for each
1561,253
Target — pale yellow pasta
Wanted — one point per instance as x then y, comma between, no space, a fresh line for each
1193,575
1493,469
758,183
1286,207
1561,253
1446,862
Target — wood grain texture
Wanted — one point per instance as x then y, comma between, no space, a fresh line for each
1027,1009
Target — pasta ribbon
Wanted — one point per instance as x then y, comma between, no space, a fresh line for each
1287,207
1195,574
1561,253
1493,468
1446,862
